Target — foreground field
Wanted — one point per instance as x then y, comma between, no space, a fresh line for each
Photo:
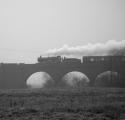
63,104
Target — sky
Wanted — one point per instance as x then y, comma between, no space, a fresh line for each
29,28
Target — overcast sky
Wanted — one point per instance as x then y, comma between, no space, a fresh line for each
30,27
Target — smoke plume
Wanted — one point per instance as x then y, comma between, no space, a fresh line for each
111,47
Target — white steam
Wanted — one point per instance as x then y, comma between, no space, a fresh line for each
112,47
38,80
107,78
76,79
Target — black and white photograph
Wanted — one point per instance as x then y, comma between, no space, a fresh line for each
62,59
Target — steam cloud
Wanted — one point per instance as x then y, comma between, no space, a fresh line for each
108,78
38,80
112,47
75,79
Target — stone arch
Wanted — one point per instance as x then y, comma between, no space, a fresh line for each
107,79
39,80
75,79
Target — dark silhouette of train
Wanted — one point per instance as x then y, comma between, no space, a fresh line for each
14,76
85,59
58,59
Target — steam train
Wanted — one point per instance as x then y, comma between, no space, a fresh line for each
85,59
58,59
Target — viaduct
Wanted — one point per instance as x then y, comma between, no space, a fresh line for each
14,76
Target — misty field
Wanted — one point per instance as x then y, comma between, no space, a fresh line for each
63,104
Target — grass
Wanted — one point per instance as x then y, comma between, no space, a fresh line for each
63,104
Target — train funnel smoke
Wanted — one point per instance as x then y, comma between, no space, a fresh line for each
112,47
38,80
